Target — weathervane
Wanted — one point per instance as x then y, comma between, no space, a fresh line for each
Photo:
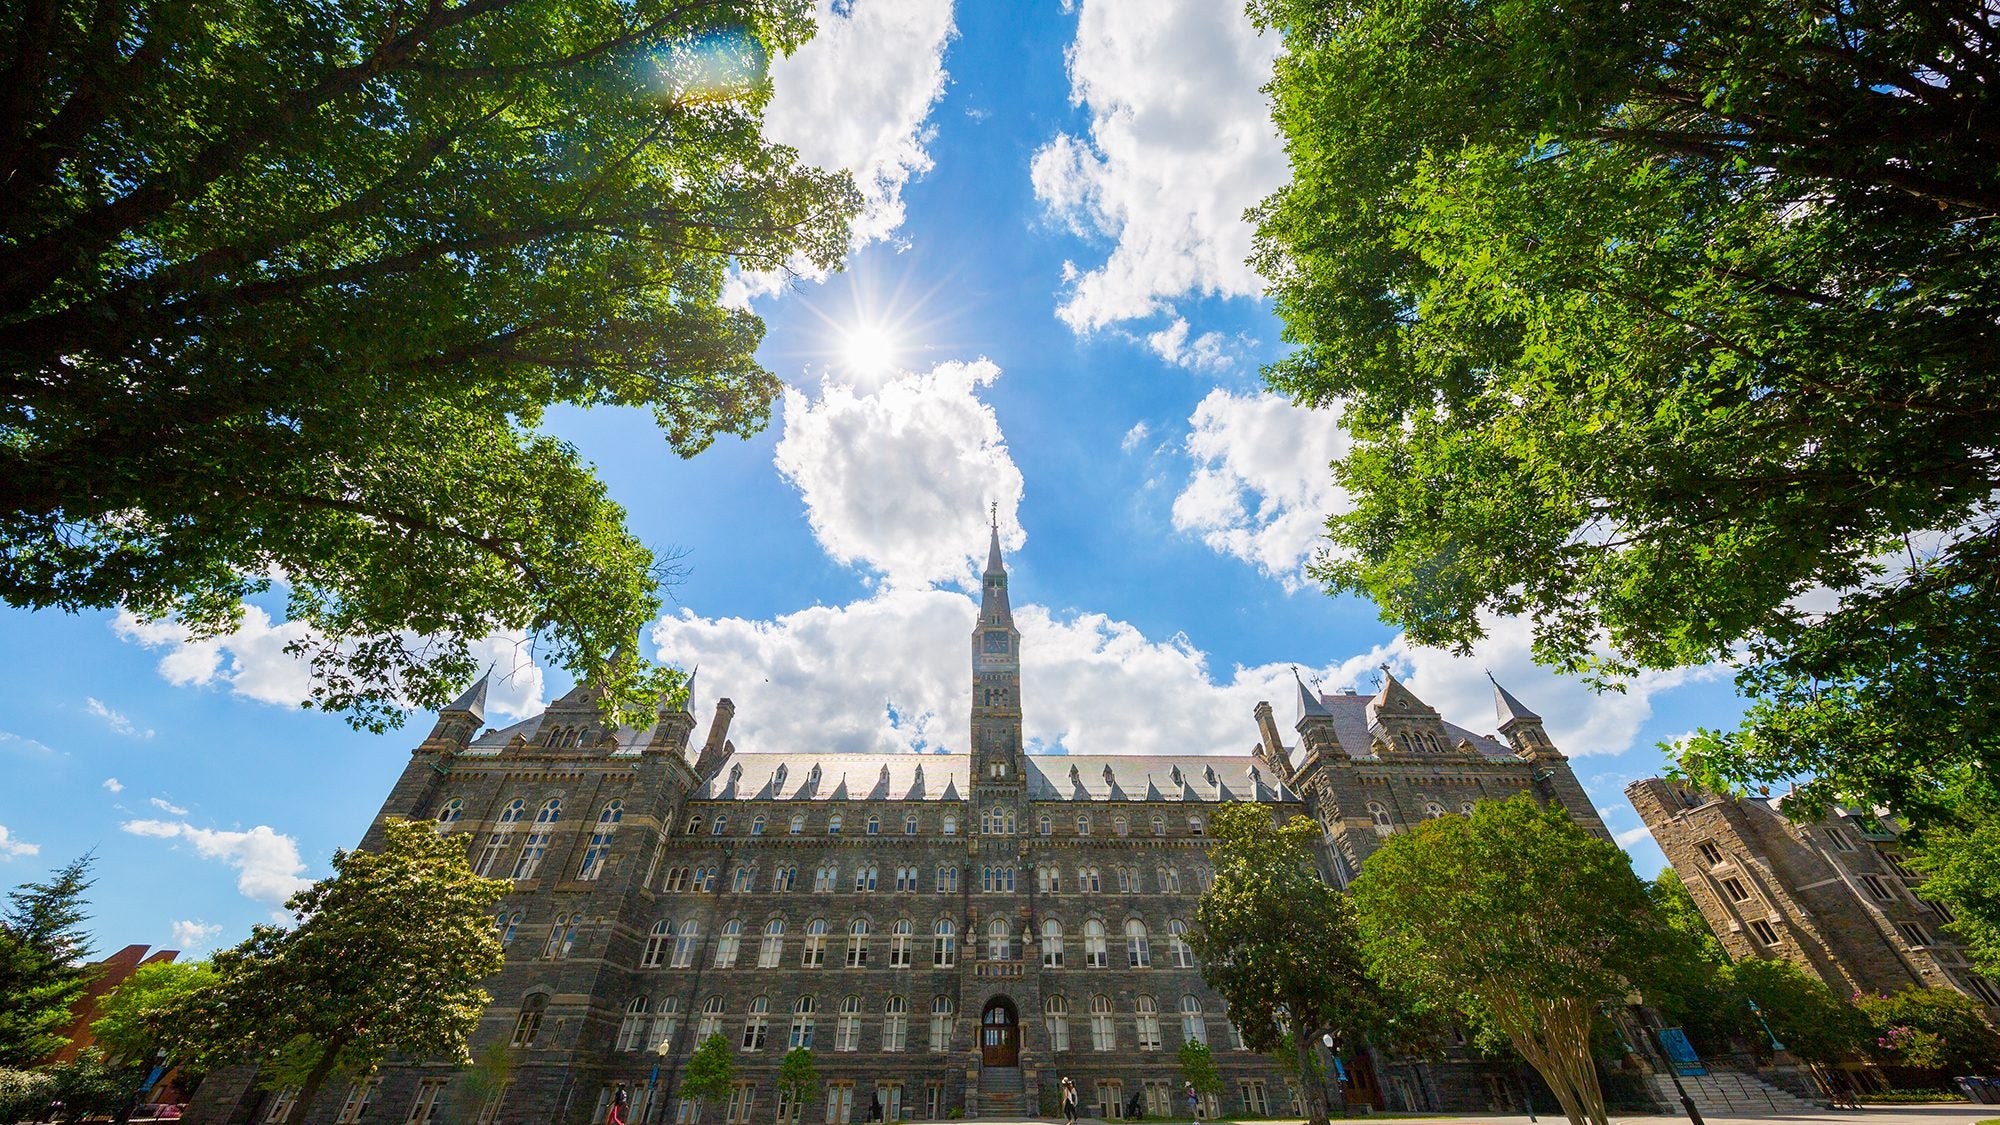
995,513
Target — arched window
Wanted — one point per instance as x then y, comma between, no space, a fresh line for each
943,1017
833,825
1194,1029
743,880
944,944
666,1021
866,877
1465,808
910,824
798,823
814,954
721,825
503,834
895,1024
1048,880
600,840
1432,810
658,941
1088,881
528,1025
711,1019
1120,827
1378,815
757,1025
1102,1035
694,825
1055,1018
826,879
784,878
773,946
802,1023
874,826
1195,825
857,944
1045,825
728,944
450,814
899,944
1083,825
562,937
1094,954
757,825
951,824
537,844
1138,954
1148,1024
632,1029
506,924
1178,946
947,880
999,940
1170,880
1159,825
847,1029
686,942
704,879
1126,879
1052,944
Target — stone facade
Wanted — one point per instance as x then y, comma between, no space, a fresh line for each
1833,895
948,933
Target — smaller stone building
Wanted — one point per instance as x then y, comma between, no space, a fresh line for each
1834,895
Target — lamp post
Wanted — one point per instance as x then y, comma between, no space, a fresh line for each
1334,1075
1768,1034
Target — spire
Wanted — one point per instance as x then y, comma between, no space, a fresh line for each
1310,706
1508,709
473,701
993,607
993,563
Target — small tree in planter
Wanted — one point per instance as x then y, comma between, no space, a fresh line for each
710,1073
1198,1069
797,1079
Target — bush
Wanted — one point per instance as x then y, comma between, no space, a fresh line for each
24,1094
1933,1029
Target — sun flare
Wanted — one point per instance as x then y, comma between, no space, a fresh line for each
867,349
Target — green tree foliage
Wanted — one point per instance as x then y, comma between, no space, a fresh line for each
388,955
490,1070
24,1094
1961,859
797,1079
1648,317
88,1086
132,1021
1934,1028
285,290
1522,921
1806,1016
711,1072
1198,1068
1269,902
42,949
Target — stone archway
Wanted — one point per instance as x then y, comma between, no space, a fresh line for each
1000,1033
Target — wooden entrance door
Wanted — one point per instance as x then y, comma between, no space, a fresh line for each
1000,1034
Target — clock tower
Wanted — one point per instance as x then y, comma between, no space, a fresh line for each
996,679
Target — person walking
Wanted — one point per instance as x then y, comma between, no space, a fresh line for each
1193,1101
1069,1100
621,1103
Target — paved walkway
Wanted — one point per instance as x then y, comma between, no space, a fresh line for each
1867,1115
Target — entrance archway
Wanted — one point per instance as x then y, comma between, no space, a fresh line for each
1000,1033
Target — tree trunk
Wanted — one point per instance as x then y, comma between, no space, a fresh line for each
309,1089
1315,1105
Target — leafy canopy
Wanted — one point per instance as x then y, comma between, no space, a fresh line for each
131,1021
285,290
42,950
1961,862
1936,1028
1669,324
711,1072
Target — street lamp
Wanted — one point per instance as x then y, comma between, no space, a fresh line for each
1336,1073
1768,1034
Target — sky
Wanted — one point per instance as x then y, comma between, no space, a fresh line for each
1046,308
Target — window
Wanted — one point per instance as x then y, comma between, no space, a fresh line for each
1110,1099
448,817
1252,1092
847,1028
833,825
1122,879
798,824
773,946
1878,888
528,1025
999,940
1913,933
1045,826
947,880
658,941
740,1097
1083,825
783,879
743,880
1138,953
757,825
1378,816
906,879
359,1095
857,944
694,825
1710,854
1159,1100
944,944
1982,988
895,1025
757,1025
1088,882
1194,826
788,1107
1465,808
1159,825
537,844
1094,954
1764,932
1177,944
1120,826
839,1102
1055,1018
865,877
899,944
281,1105
1148,1022
1841,840
729,944
1170,880
1943,912
1735,890
711,1019
1052,944
814,954
720,827
1102,1036
704,879
676,881
1048,880
1897,865
996,880
1194,1029
942,1019
951,824
1204,880
503,832
506,924
825,879
562,937
874,826
430,1096
685,944
910,824
666,1021
632,1029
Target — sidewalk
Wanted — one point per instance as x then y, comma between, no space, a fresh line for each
1867,1115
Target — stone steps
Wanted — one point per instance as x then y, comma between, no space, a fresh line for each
1729,1093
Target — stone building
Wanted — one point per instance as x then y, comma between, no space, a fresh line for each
948,933
1832,895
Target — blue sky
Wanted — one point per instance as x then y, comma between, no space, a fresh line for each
1047,308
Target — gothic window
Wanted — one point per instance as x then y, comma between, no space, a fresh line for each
537,844
1159,825
1138,953
996,880
450,814
1194,825
1083,825
910,824
704,879
826,879
944,944
1048,880
1120,826
528,1025
1170,880
1052,944
676,880
507,924
802,1023
951,824
743,880
1204,880
1055,1017
1128,882
600,840
562,937
757,825
1095,955
1432,810
865,877
1102,1035
814,954
833,825
999,940
1088,881
943,1012
1148,1021
658,940
503,833
694,825
874,826
1177,944
899,944
711,1019
906,879
784,878
1465,808
773,946
847,1030
895,1024
1045,825
947,880
1378,815
1194,1029
778,777
798,823
685,944
728,944
857,944
632,1029
757,1024
721,825
666,1021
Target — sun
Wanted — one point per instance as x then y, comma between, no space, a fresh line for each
867,349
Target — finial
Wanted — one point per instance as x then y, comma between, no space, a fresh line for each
993,514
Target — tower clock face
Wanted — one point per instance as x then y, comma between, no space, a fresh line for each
995,641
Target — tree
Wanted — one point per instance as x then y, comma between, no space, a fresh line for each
42,975
1805,1015
133,1020
797,1079
1961,862
285,292
1521,920
1933,1028
1198,1069
711,1072
1667,325
1267,906
387,955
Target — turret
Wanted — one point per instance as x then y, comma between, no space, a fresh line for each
1521,727
996,676
1315,725
675,725
1270,746
717,748
459,721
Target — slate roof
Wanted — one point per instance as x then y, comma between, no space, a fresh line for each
1350,721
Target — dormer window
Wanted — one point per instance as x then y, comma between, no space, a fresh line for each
1177,776
1208,772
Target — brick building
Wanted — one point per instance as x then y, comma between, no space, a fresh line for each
947,932
1833,895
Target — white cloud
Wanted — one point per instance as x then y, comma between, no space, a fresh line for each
22,744
1180,145
1204,353
190,935
898,479
118,723
1632,836
266,861
166,806
1262,486
10,847
1134,436
113,785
